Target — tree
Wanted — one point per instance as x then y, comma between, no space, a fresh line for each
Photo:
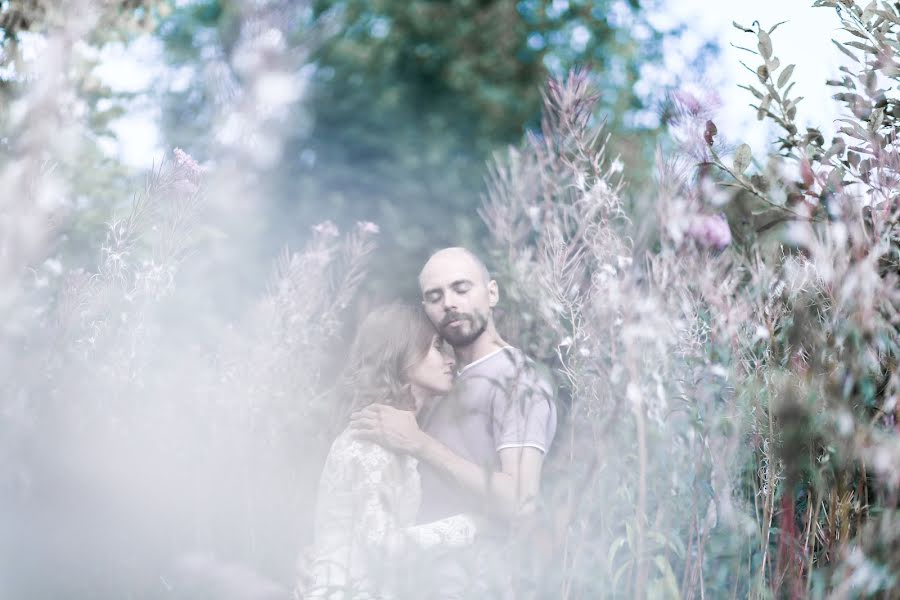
408,99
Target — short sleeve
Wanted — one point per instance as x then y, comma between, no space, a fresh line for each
523,412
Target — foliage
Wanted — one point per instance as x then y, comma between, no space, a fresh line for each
33,43
163,422
729,380
406,101
733,404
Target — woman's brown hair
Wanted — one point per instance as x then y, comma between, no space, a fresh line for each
389,342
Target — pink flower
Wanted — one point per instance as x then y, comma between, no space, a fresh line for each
367,227
186,187
186,163
688,101
710,231
326,228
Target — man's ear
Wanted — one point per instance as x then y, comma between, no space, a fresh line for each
493,293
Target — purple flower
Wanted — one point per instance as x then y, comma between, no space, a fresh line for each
185,161
186,173
688,101
710,231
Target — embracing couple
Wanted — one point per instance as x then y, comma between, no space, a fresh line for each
419,490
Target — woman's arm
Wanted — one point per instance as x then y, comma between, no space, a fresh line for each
378,523
509,493
457,531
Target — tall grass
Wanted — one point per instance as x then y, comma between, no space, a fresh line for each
731,381
726,352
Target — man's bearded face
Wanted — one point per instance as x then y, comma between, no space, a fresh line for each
461,329
457,296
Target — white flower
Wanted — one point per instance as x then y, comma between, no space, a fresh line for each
367,227
633,393
53,265
326,228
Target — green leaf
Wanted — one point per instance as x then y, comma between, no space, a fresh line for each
869,11
620,572
844,50
763,108
753,91
765,44
785,75
614,550
668,576
742,157
889,16
776,26
837,148
863,47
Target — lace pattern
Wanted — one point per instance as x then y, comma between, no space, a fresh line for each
365,521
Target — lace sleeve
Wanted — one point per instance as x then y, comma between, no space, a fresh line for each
452,532
379,526
382,534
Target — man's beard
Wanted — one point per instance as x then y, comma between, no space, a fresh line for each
463,336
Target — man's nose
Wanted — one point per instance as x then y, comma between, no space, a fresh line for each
450,302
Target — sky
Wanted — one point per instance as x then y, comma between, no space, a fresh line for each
804,40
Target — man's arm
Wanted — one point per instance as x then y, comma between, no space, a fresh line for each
508,493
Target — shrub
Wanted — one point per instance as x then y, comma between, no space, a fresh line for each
731,423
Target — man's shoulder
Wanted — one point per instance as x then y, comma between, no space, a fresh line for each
508,358
512,366
527,367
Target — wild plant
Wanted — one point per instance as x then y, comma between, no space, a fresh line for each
731,387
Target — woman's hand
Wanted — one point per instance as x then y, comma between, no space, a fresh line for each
389,427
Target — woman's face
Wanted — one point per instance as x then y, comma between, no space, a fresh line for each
434,373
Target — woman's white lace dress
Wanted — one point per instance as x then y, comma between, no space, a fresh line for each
365,532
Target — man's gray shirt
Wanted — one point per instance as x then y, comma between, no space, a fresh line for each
499,401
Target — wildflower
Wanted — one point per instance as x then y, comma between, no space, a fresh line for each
326,228
690,103
53,265
633,393
367,227
185,161
710,231
186,187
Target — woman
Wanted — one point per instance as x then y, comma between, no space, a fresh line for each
368,496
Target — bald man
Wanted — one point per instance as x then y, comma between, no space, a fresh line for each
481,448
